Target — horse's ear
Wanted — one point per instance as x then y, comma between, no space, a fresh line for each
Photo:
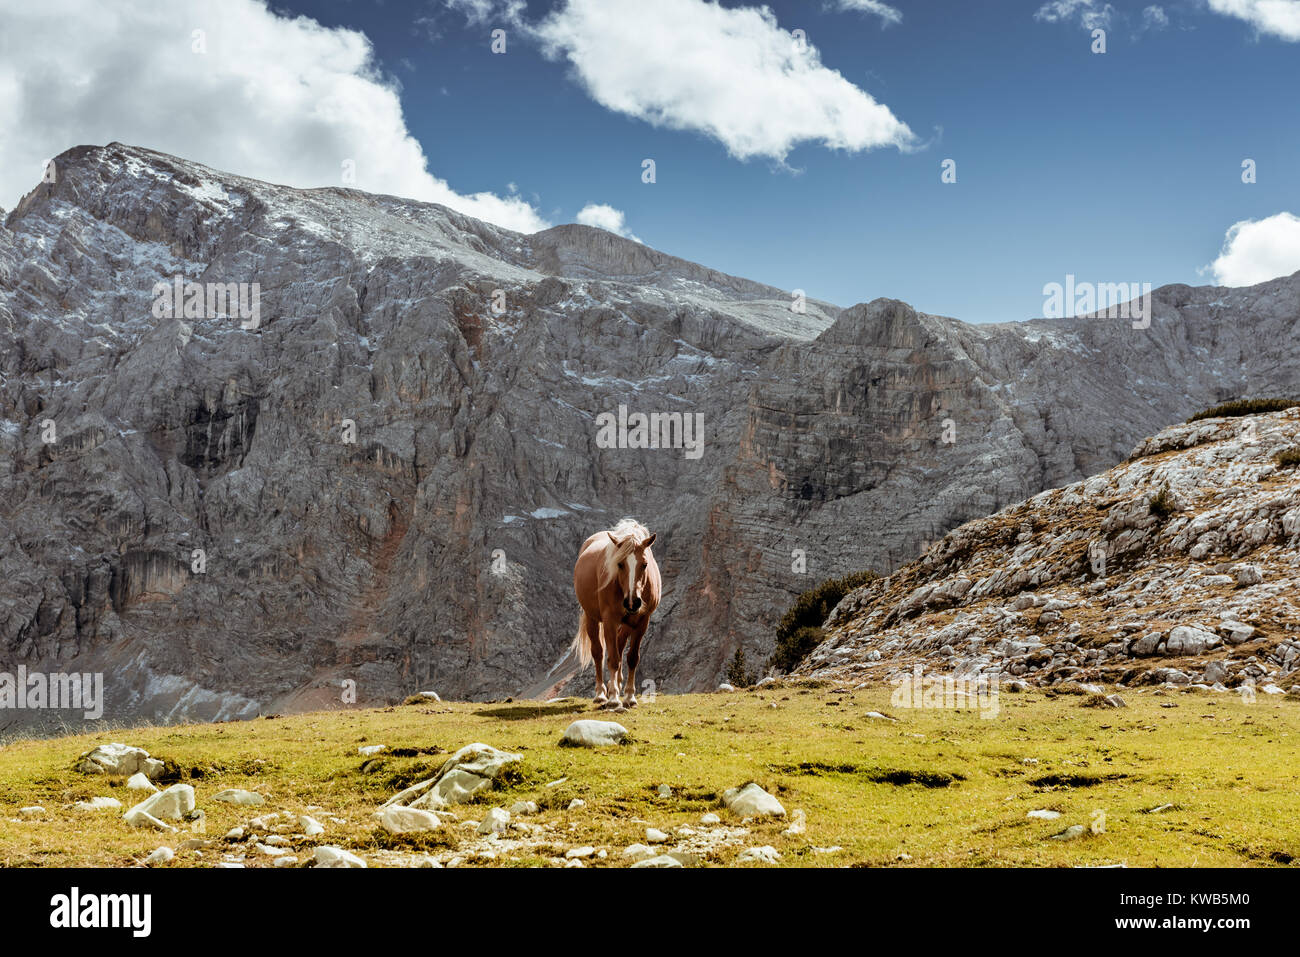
616,542
648,542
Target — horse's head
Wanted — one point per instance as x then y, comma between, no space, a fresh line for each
631,568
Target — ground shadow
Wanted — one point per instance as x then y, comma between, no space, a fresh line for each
521,712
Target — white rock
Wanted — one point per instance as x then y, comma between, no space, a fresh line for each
665,791
881,717
328,856
119,758
405,820
287,861
496,821
638,851
725,687
1248,575
798,824
138,782
765,854
1044,814
523,807
370,749
577,853
310,826
160,856
169,805
97,804
655,836
577,803
238,796
663,860
34,810
431,695
270,850
1070,833
710,818
471,770
593,734
752,801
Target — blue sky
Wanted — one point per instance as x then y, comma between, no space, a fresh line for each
1123,166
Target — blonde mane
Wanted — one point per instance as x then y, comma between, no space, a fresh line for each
633,533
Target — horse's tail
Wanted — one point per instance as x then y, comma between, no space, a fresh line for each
581,643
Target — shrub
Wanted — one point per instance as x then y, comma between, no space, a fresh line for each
800,630
1162,503
1239,407
1288,458
738,675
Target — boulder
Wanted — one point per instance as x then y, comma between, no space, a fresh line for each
171,804
496,821
328,856
120,759
1190,640
766,854
752,801
593,734
407,820
139,782
471,770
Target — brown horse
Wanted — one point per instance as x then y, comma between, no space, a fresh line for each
617,583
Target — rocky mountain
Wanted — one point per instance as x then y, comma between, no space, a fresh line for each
1180,565
379,469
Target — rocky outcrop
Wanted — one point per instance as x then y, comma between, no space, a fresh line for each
379,481
1180,565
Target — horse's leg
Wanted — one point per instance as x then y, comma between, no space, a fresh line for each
597,656
633,655
615,658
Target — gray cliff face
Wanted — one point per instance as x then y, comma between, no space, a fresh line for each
436,550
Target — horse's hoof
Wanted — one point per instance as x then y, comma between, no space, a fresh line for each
631,702
615,705
600,699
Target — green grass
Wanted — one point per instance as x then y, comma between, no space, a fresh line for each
945,787
1241,407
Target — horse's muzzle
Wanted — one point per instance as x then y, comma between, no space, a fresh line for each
633,606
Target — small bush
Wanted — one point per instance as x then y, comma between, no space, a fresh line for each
1162,503
1288,458
800,630
738,675
1245,407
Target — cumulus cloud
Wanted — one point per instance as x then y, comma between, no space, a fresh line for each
1279,18
1154,18
1087,13
877,7
1258,250
605,217
732,74
279,99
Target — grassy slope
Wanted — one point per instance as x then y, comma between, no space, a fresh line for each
1229,767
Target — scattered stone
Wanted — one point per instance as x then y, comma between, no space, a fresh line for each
238,796
287,861
370,749
655,836
235,834
752,801
798,824
310,826
170,805
97,804
577,803
327,856
471,770
431,695
496,821
593,734
397,819
710,818
665,791
1115,701
138,782
578,853
638,851
523,807
1070,833
765,854
663,860
34,810
834,848
1248,575
269,850
725,687
161,856
1044,814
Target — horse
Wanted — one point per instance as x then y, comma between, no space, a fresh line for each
616,580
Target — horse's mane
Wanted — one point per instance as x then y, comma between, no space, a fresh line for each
633,533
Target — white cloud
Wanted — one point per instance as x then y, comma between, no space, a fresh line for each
604,217
1088,14
883,10
732,74
1154,18
1281,18
1258,250
285,100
